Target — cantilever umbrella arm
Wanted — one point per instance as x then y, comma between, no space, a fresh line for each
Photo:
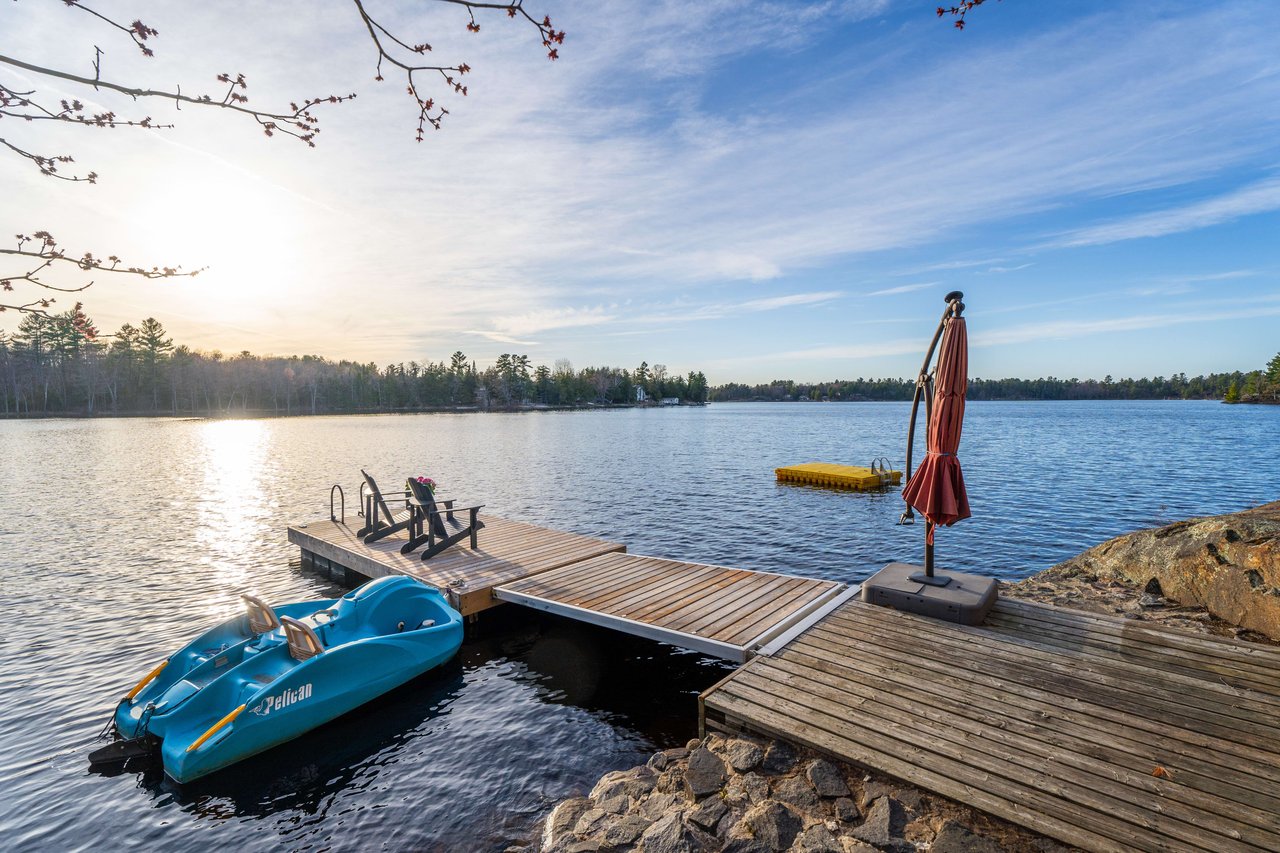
924,388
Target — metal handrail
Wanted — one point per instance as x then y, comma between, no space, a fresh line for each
342,498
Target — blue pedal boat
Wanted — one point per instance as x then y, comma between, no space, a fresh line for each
270,675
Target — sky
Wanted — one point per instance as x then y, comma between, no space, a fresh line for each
757,190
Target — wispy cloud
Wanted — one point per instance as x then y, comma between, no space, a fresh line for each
903,288
1068,329
1259,197
1009,269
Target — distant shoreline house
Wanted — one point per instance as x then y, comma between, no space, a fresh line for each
640,395
670,401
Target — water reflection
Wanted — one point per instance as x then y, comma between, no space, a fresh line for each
233,507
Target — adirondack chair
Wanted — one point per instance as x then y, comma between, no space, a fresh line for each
434,523
376,510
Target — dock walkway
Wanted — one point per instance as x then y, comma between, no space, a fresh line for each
1105,733
713,609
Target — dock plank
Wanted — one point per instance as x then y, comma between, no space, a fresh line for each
1045,717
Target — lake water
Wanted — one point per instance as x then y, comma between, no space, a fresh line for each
121,538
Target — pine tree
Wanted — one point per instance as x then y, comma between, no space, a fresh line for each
1233,393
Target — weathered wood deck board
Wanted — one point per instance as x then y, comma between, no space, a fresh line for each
718,610
507,550
1046,717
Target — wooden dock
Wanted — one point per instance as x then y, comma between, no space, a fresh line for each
714,609
1105,733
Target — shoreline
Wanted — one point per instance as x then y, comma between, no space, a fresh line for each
751,794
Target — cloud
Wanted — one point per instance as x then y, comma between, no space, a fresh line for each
773,303
1259,197
1010,269
904,288
1068,329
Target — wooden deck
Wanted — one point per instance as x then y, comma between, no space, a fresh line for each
721,611
1105,733
509,550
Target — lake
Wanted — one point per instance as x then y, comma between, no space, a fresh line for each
119,539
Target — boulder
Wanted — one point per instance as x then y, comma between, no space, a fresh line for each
1227,564
747,789
635,782
709,813
562,819
765,828
624,833
846,810
883,827
779,758
955,837
706,773
826,779
796,791
672,835
817,839
743,755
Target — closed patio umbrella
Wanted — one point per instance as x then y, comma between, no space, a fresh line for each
936,488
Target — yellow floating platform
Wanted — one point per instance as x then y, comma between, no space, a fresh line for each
832,476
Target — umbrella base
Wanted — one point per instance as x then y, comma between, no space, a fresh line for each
964,598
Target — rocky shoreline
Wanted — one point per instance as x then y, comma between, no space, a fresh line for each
743,794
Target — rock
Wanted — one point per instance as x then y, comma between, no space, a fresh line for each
672,835
1151,600
588,845
883,827
796,791
747,789
1227,564
632,783
846,810
826,779
678,753
817,839
872,791
693,744
592,821
624,833
853,845
955,837
779,758
706,773
709,813
615,805
743,755
769,826
912,798
658,762
562,820
659,804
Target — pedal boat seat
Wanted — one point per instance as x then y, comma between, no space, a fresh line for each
302,639
262,619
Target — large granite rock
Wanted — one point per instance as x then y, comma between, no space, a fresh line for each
1227,564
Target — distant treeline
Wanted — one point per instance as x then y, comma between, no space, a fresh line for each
1253,386
56,365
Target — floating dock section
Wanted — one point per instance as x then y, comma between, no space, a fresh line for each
1107,734
726,612
840,476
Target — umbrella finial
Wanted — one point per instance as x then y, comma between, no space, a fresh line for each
953,299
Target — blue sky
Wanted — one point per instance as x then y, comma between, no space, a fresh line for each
757,190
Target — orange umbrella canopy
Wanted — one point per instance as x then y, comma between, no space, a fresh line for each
936,488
